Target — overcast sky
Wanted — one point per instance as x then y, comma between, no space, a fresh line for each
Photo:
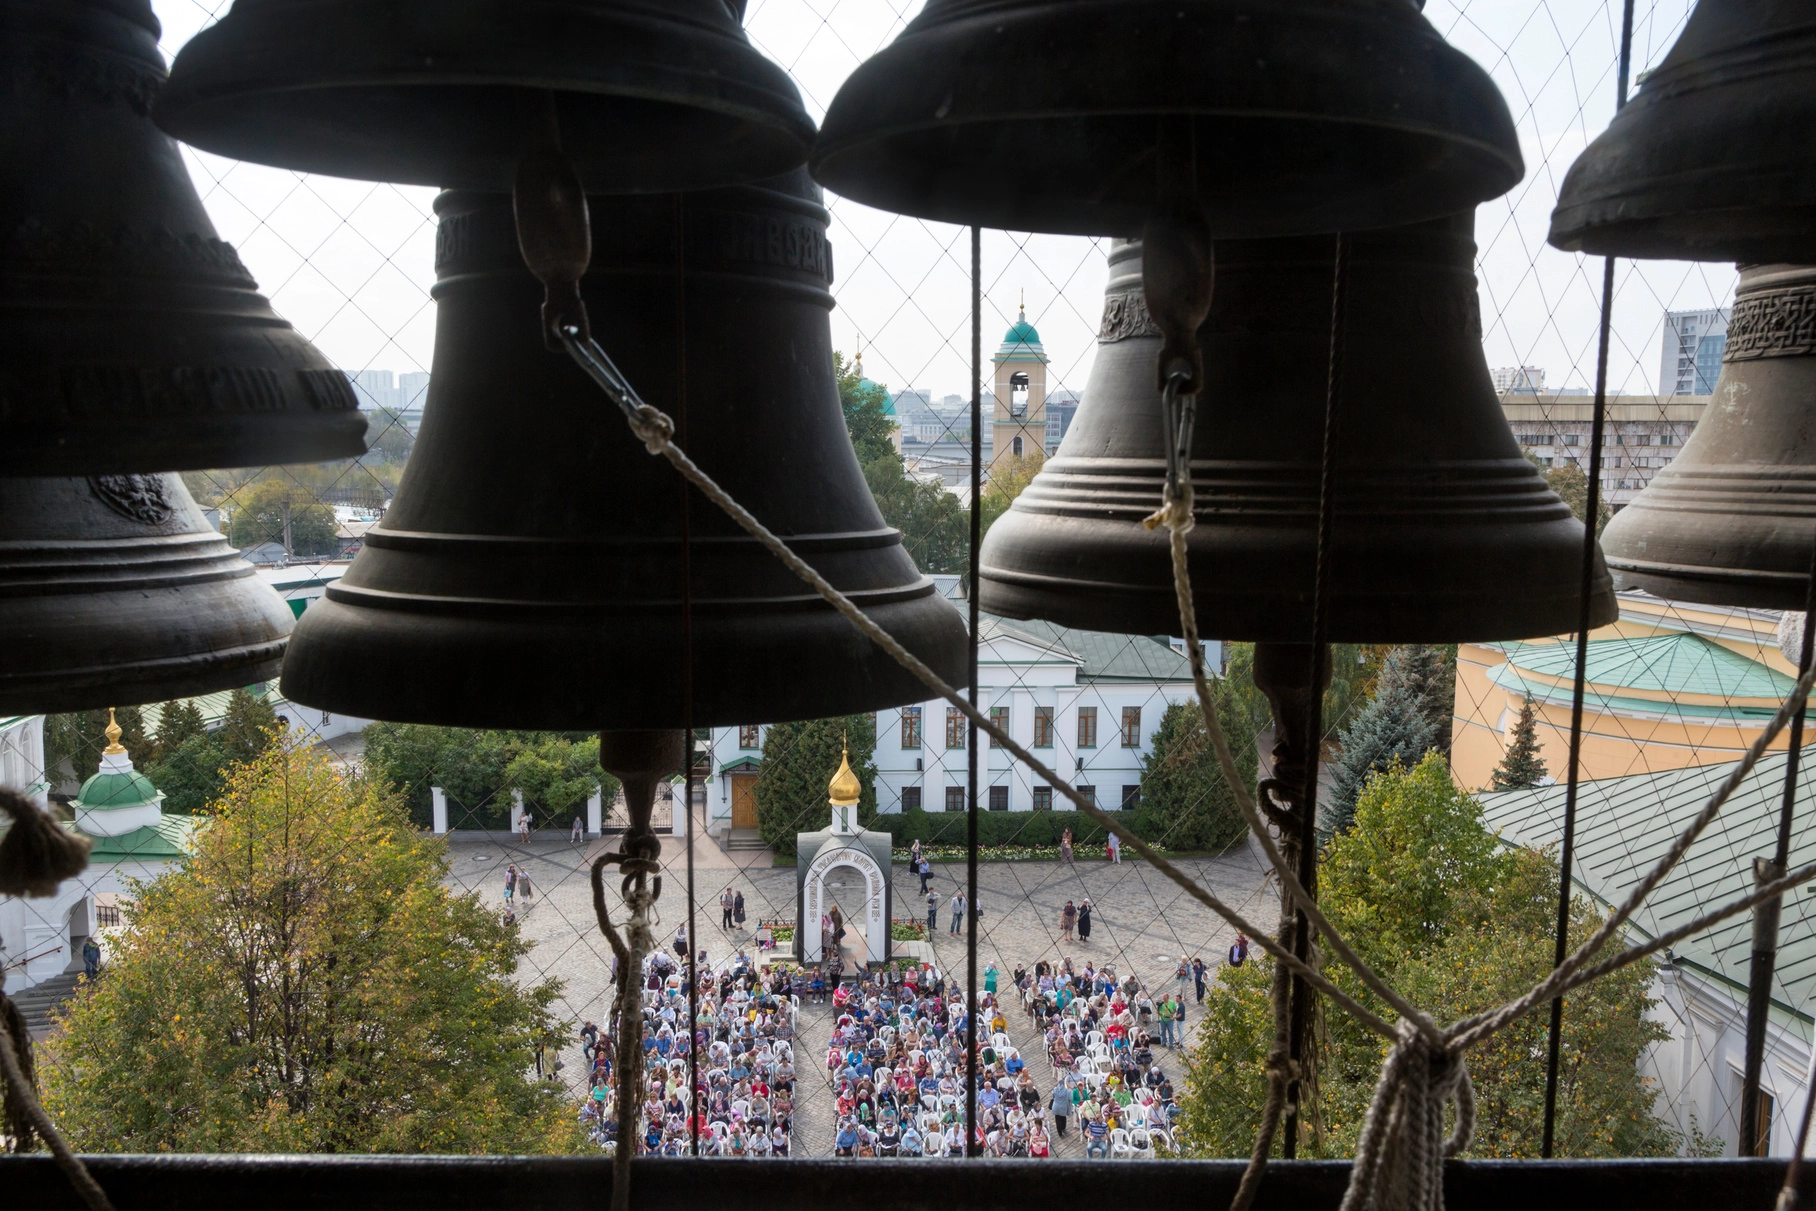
351,263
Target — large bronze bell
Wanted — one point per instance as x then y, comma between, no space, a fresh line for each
529,572
1443,531
647,94
131,339
1731,520
1714,158
115,589
1044,115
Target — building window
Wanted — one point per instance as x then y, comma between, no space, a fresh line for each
1015,447
999,798
911,798
1131,796
750,736
106,916
1043,730
911,727
1570,439
1043,798
955,727
1089,793
955,798
999,715
1131,727
1087,727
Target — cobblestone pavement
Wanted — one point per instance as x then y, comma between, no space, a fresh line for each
1142,923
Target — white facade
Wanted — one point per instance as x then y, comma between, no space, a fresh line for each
1689,356
1095,699
1698,1069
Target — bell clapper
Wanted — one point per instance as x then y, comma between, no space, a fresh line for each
1178,274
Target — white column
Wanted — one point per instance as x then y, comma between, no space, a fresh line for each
440,808
516,809
678,814
594,806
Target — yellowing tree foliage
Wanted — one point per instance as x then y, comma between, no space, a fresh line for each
307,983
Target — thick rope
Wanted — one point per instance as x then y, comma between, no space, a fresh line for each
1401,1151
19,1093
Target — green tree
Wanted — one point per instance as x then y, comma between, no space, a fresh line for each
1521,767
1428,897
386,437
259,511
1186,804
249,726
555,776
178,722
866,407
478,770
935,529
1409,714
307,982
799,759
193,774
1572,483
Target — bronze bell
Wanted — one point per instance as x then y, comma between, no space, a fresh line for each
646,96
1730,521
1714,158
1443,531
1044,115
529,572
115,589
131,339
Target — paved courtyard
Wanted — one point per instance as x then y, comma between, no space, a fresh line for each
1142,923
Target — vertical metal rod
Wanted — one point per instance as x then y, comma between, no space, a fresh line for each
1766,916
1303,1001
977,454
687,687
1591,510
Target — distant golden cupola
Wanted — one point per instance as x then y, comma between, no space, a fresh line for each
844,790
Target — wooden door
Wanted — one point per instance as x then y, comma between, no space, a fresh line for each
743,800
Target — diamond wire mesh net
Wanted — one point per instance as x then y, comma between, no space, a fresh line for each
351,264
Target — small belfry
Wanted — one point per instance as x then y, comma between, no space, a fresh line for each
858,934
1019,419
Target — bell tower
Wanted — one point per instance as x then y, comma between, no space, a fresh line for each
1019,427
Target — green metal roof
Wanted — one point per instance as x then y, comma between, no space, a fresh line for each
214,706
171,837
1624,825
1664,664
1022,341
1102,656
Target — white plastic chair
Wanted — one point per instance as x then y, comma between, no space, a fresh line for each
1119,1144
1141,1144
999,1041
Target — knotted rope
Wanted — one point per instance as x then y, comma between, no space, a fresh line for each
1401,1152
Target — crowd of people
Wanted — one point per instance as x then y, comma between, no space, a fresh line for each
745,1030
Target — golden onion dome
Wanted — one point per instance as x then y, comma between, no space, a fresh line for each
845,789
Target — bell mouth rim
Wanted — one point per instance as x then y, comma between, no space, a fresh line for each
94,686
519,610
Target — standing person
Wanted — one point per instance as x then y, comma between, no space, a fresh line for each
914,856
725,905
933,914
957,906
1112,848
925,869
737,909
510,884
1065,847
1198,976
1068,920
91,957
1167,1006
681,940
1183,978
1239,949
1084,921
523,885
579,832
1060,1106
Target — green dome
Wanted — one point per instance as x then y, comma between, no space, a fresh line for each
888,401
1022,333
107,790
1021,342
